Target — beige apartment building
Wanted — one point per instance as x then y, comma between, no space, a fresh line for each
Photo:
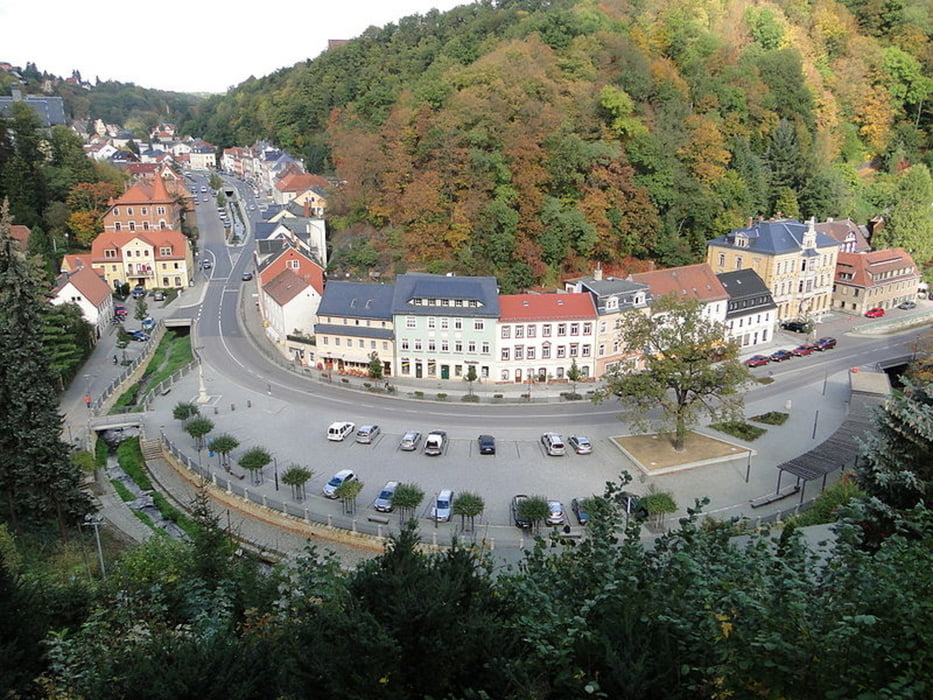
794,260
881,278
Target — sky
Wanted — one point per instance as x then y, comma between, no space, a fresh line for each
204,46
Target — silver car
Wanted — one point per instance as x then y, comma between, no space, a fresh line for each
383,502
443,506
410,441
555,513
367,434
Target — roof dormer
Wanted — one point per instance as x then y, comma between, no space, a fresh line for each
809,236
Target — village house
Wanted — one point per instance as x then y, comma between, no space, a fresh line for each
877,279
354,320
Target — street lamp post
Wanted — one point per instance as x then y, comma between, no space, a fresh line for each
96,521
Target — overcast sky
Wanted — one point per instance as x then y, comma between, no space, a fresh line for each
186,46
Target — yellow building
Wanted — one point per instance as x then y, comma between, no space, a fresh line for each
794,260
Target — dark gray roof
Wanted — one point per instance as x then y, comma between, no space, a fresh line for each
748,293
357,300
420,285
50,110
272,210
774,237
263,230
354,331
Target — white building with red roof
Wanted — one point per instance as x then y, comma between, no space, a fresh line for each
540,336
93,296
697,282
290,288
881,278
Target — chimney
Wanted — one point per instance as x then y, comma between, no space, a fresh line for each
751,220
307,209
598,272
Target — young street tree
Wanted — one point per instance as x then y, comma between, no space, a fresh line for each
468,505
197,428
223,445
375,366
254,460
681,376
296,477
406,499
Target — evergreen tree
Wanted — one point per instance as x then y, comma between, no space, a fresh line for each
23,180
37,478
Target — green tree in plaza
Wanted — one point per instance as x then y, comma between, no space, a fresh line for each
407,498
215,182
295,477
37,478
254,460
142,309
374,369
470,377
688,373
574,375
184,411
223,445
534,509
348,492
468,505
198,427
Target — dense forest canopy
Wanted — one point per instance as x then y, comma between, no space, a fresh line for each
531,138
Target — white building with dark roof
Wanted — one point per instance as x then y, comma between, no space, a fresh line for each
751,313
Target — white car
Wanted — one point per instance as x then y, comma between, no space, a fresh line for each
339,430
555,513
443,506
336,481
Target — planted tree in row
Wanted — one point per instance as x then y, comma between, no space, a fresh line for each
296,477
254,460
406,499
223,445
468,505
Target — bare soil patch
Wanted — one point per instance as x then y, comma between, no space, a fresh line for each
656,452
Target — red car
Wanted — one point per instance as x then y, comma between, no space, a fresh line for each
876,312
757,360
802,350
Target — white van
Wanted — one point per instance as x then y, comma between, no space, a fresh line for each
338,431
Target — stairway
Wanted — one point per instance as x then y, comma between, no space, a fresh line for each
152,449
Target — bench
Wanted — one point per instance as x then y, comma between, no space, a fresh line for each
381,519
772,497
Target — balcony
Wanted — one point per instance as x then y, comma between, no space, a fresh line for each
140,272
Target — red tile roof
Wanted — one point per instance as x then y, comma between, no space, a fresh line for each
694,281
156,238
284,287
546,307
88,283
859,269
299,182
306,269
20,234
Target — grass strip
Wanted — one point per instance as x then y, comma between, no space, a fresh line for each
122,491
771,418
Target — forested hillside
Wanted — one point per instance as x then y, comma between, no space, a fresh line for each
525,137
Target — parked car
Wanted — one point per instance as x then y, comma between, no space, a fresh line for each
336,481
519,521
907,305
580,444
139,292
553,444
796,326
119,311
443,506
802,350
339,430
383,502
825,344
435,442
158,295
367,433
876,312
578,506
148,323
247,276
206,264
780,355
555,514
139,335
757,360
409,441
487,444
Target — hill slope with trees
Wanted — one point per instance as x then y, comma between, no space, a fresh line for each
527,138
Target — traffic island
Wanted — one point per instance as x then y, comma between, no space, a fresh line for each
654,454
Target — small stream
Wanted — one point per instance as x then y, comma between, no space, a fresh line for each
142,501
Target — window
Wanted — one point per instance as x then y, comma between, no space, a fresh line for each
110,253
360,343
458,324
471,346
561,329
505,354
445,345
145,225
531,330
587,328
417,344
506,331
722,260
165,251
586,350
530,353
574,329
519,331
602,327
479,324
405,365
129,211
574,349
160,211
458,346
520,352
738,262
484,348
116,211
293,264
602,350
410,322
432,345
445,323
337,342
505,375
385,345
132,226
432,322
546,330
546,352
372,344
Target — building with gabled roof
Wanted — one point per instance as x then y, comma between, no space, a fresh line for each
795,261
540,336
156,258
90,293
880,278
751,312
290,287
852,238
444,324
145,206
697,282
354,320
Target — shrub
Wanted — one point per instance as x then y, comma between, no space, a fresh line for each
442,397
473,398
771,418
824,507
419,394
743,431
570,396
